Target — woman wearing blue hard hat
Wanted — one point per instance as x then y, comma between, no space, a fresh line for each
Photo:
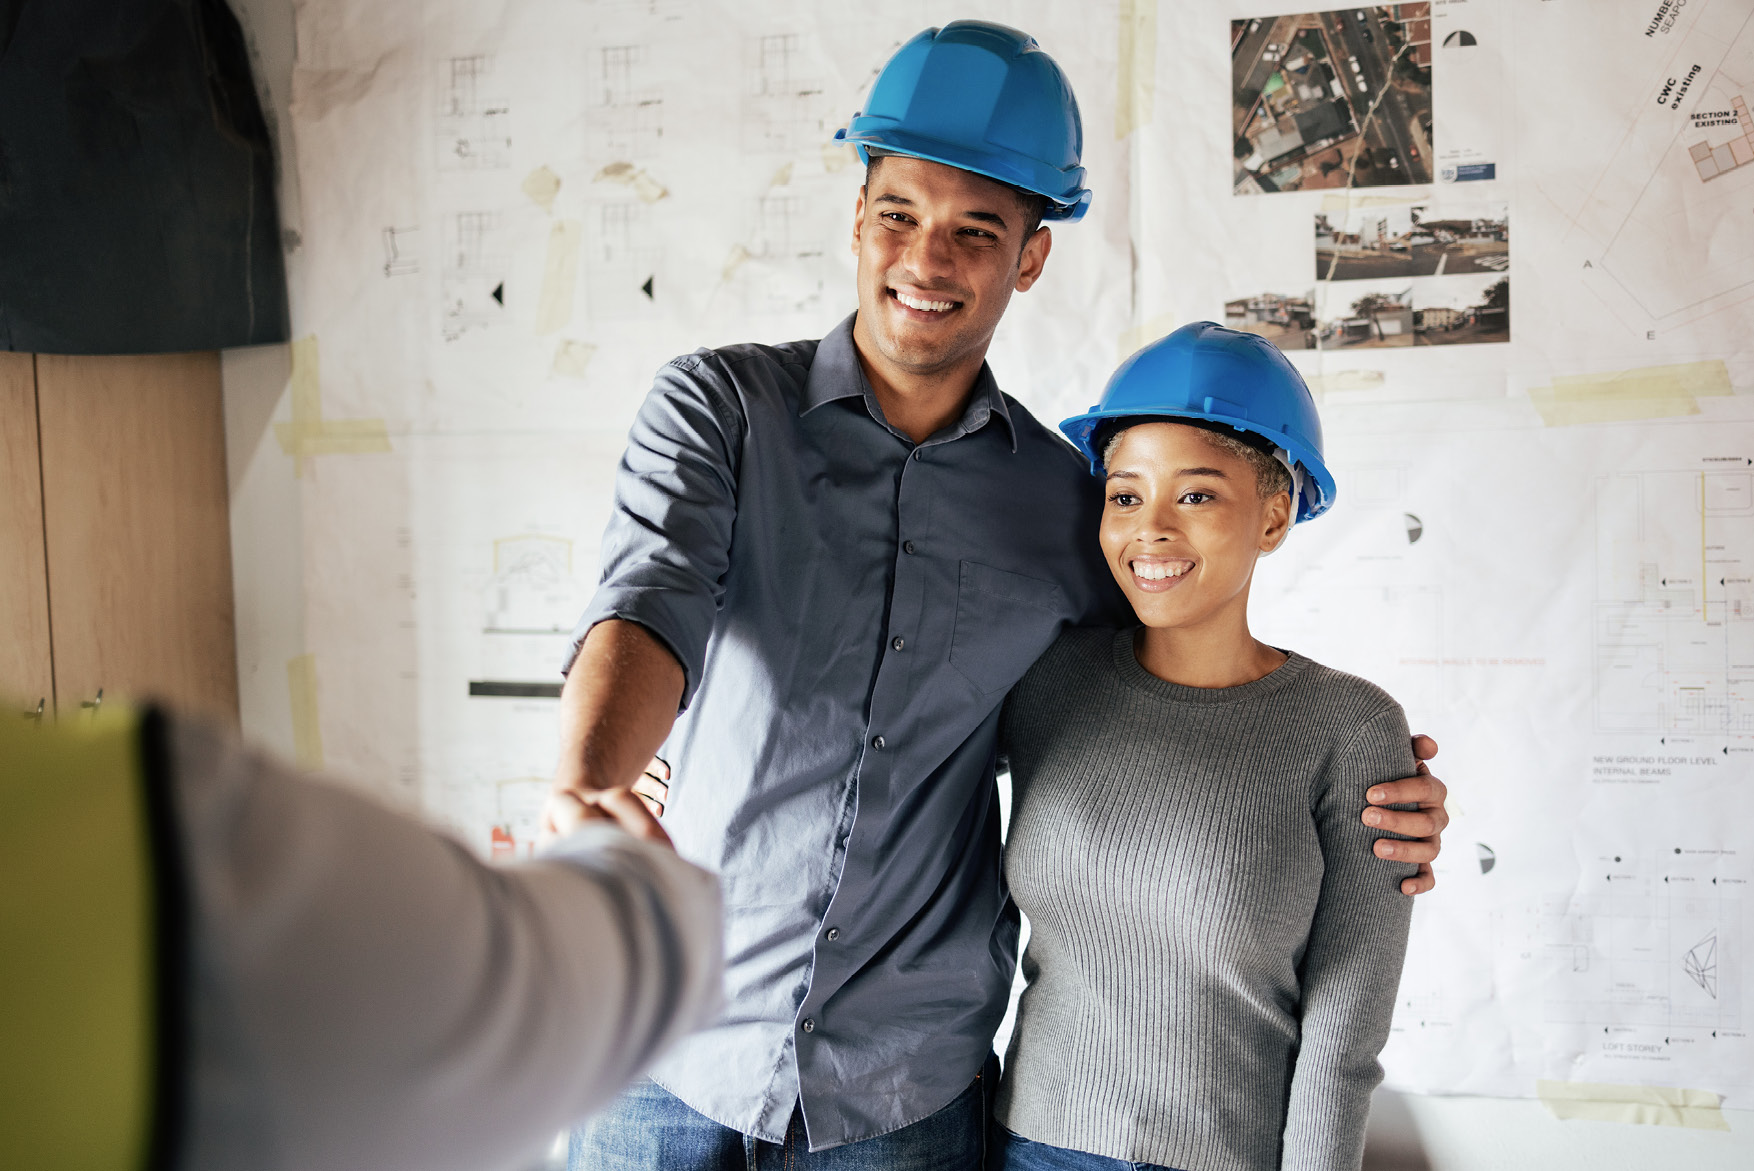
1188,1007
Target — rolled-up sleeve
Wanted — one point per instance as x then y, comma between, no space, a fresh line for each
668,543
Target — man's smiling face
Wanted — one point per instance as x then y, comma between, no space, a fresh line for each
940,252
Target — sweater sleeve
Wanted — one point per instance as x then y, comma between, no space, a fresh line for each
1351,964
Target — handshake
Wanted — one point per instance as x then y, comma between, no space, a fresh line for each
635,808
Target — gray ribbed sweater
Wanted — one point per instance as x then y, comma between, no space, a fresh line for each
1214,948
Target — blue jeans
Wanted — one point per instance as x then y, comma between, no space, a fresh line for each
650,1129
1016,1153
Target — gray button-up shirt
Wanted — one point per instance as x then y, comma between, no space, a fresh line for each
850,610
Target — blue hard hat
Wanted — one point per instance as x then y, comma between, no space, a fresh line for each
1207,372
980,97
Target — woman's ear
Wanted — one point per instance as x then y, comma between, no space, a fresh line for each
1275,522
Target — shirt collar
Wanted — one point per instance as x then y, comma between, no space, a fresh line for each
835,373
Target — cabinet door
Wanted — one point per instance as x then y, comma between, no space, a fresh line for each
138,540
25,668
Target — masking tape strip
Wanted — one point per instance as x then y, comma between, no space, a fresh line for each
560,273
572,358
1641,1105
309,433
1136,77
307,736
1345,380
1346,201
628,175
738,257
1131,340
838,156
1650,392
541,185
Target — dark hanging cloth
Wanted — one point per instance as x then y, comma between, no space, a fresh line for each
136,181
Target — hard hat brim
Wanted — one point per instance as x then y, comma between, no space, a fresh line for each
1081,430
1012,173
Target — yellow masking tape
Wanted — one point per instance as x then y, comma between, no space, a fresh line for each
1345,201
628,175
733,262
560,273
572,358
1650,392
310,433
1643,1105
1345,380
542,185
307,736
1136,77
1131,340
837,156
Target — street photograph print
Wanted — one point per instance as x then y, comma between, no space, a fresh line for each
1461,310
1366,316
1286,321
1410,240
1332,99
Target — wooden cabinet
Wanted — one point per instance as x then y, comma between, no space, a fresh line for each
115,544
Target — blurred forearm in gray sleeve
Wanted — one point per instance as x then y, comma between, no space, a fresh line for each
366,993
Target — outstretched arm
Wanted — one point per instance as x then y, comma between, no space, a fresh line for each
618,704
1420,816
642,641
365,993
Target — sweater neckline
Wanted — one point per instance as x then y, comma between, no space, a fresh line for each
1127,666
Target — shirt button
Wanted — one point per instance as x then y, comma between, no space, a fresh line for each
877,742
809,1025
907,546
916,453
833,934
898,642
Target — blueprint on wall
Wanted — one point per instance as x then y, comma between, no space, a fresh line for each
1544,541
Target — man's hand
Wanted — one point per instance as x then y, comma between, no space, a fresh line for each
567,810
617,706
653,787
1425,824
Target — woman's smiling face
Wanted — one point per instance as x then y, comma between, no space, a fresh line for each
1184,523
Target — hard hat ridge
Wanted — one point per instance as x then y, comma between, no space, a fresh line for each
1206,372
980,97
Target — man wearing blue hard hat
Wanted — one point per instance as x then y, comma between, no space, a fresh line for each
828,563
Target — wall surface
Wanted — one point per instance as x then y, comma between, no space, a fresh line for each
267,531
501,218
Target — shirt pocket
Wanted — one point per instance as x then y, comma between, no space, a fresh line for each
1004,621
